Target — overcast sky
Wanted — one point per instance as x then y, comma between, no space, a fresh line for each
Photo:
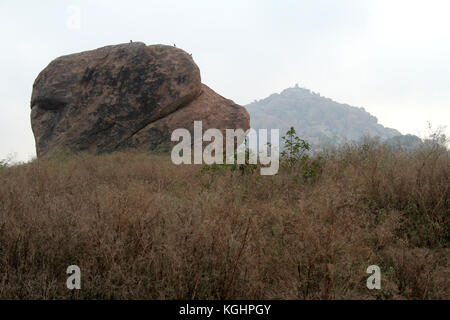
391,57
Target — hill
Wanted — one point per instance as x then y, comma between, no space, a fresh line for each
317,119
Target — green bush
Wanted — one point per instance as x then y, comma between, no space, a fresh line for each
295,157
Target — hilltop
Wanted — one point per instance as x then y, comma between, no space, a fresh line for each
316,119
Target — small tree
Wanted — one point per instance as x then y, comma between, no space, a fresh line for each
295,155
294,148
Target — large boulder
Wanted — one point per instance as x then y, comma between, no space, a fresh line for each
124,96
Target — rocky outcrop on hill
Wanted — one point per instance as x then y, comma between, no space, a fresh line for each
124,96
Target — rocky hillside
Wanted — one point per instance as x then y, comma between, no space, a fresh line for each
315,118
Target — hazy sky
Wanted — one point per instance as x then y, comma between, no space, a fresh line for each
390,56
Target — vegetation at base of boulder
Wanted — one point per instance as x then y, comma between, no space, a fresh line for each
161,149
140,227
60,155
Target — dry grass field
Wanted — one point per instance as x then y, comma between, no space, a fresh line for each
140,227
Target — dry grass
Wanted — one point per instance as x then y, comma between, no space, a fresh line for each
140,227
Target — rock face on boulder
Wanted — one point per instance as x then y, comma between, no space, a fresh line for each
127,96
